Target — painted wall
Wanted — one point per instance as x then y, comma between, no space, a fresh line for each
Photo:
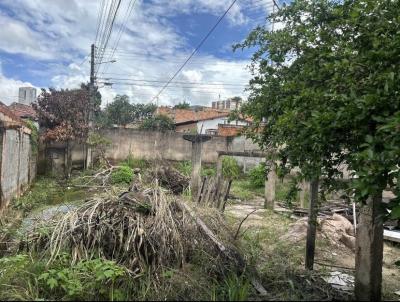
213,124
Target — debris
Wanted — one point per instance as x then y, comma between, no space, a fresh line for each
340,281
170,178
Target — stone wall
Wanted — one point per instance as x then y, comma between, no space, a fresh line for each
17,164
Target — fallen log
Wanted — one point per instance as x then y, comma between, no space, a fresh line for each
225,251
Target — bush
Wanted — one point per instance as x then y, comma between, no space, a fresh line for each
123,174
230,168
257,176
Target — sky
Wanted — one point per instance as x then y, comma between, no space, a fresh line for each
46,43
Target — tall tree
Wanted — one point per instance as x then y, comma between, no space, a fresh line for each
325,87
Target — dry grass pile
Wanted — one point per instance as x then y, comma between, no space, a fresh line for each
147,230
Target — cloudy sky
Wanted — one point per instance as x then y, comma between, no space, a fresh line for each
46,43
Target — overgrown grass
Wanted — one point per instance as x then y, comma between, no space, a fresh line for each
243,189
134,163
46,191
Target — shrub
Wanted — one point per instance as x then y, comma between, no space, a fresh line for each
123,174
159,123
230,168
257,176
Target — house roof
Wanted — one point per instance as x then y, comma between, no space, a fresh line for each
9,120
184,116
23,111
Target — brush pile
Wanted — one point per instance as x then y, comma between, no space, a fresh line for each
141,230
171,178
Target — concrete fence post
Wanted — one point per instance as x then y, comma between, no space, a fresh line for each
369,251
196,169
270,187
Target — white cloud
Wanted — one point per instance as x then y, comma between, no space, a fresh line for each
64,29
9,88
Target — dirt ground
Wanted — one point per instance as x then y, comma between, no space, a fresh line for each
270,226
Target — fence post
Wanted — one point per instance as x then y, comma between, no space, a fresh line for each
270,186
312,224
369,251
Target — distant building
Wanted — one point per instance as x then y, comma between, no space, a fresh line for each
26,95
229,104
206,121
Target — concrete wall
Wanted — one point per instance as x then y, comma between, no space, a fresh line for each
17,165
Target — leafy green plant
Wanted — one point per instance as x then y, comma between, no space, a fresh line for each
257,176
122,174
230,168
208,171
185,167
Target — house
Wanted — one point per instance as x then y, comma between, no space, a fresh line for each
25,112
205,121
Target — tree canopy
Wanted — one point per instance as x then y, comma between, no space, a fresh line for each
182,105
325,90
64,113
158,122
122,112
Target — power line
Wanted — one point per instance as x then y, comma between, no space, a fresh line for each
194,51
175,82
121,29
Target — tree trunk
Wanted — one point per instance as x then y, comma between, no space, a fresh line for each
369,251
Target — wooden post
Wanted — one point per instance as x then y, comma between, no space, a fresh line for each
312,224
369,251
270,185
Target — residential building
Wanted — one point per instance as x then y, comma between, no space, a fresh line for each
26,95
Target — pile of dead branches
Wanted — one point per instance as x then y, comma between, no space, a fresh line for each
143,230
171,178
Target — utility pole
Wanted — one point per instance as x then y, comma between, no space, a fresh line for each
91,104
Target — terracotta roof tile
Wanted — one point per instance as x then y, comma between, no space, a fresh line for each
181,116
6,115
23,111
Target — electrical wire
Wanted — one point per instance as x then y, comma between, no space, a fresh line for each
195,50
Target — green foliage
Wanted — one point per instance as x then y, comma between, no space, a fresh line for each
183,105
34,137
158,122
326,87
185,167
96,140
230,168
205,171
257,176
122,112
44,191
123,174
234,288
25,277
133,163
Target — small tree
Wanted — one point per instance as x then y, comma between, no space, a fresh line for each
158,122
122,112
325,90
63,114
